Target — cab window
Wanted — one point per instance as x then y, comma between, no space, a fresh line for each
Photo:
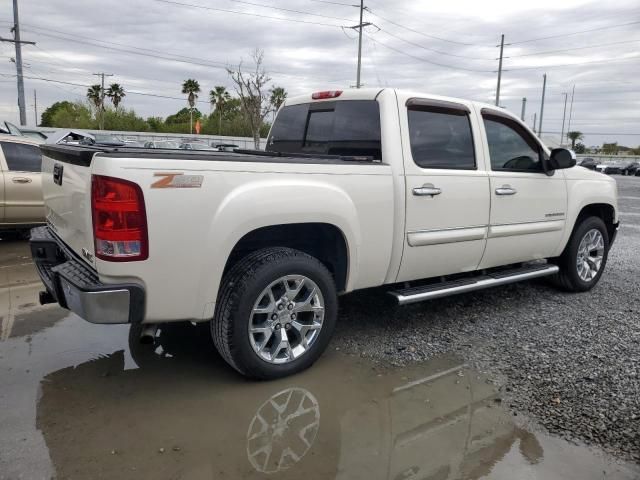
343,128
511,147
21,157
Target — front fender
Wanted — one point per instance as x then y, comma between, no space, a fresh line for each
582,193
264,203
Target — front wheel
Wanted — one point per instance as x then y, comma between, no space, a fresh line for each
275,314
583,260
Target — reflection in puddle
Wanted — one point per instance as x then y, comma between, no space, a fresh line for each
174,410
88,401
282,430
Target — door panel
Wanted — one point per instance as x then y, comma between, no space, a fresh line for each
447,189
23,191
446,233
22,183
528,207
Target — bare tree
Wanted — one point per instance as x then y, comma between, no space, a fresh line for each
253,93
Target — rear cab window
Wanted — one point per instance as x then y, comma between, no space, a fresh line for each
343,128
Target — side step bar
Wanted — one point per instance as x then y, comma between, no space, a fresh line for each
454,287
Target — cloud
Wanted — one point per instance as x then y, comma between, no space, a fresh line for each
446,48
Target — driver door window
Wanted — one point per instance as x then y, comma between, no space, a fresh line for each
511,148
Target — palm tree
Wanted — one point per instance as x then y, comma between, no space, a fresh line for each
218,97
277,98
94,94
574,137
191,88
116,93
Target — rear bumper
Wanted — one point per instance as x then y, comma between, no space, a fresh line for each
76,287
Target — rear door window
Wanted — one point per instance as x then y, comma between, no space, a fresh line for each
441,138
347,128
21,157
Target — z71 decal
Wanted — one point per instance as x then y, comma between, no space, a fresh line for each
177,180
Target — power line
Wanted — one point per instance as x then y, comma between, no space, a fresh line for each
574,64
295,20
433,49
418,31
290,10
453,67
575,33
571,49
333,3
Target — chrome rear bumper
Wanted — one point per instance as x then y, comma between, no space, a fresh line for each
76,287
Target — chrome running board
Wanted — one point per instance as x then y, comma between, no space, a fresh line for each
454,287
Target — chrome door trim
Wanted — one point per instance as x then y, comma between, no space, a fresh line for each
422,238
526,228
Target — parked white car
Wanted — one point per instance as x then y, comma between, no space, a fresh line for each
21,203
430,195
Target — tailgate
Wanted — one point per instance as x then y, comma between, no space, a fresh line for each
66,187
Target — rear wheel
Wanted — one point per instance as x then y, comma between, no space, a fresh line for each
276,313
583,260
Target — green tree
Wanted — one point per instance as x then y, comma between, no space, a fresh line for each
72,115
219,97
124,120
49,112
574,137
580,148
610,148
191,88
116,93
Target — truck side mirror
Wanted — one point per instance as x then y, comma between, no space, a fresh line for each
561,158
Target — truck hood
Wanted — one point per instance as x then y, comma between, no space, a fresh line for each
581,173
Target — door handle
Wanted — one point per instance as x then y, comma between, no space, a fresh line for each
21,180
426,190
506,190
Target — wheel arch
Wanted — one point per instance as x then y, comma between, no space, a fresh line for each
602,210
324,241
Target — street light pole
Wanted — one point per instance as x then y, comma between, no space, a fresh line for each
102,75
524,107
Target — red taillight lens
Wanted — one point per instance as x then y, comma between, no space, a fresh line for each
326,94
119,220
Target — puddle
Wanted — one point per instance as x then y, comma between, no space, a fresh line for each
88,401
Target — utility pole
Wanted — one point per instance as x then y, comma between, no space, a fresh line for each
18,44
35,106
359,27
544,88
499,70
102,75
534,121
564,114
524,107
573,91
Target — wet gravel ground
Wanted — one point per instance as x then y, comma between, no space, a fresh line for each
570,362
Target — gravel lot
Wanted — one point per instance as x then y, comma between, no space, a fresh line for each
570,362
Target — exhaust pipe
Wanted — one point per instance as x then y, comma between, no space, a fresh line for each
148,334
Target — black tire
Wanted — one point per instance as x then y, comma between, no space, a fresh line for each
239,291
568,278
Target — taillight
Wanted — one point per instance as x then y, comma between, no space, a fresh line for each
119,220
326,94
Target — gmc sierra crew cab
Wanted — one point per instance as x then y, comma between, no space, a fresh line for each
430,195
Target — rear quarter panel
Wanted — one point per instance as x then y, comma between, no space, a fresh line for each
193,230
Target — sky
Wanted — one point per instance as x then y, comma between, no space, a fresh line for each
444,47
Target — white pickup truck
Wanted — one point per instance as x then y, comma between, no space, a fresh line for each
429,195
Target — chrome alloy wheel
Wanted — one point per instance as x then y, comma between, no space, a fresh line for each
286,319
590,255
